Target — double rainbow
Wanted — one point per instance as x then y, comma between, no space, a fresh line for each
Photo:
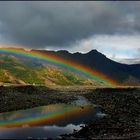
53,59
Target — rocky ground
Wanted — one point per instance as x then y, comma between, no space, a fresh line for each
22,97
123,119
122,106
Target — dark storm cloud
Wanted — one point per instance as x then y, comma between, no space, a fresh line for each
40,24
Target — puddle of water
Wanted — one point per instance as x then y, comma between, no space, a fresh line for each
37,132
81,101
48,121
100,114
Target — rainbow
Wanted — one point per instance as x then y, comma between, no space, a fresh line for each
53,59
46,115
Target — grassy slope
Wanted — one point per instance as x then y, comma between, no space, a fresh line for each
14,70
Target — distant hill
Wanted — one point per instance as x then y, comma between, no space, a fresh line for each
96,60
19,70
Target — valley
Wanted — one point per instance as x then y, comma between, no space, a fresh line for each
70,70
33,81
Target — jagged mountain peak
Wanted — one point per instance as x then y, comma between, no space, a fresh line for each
27,70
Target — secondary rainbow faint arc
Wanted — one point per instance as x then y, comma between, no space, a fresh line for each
92,73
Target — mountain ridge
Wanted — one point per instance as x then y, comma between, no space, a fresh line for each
124,73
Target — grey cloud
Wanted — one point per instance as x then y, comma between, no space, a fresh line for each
40,24
130,61
138,53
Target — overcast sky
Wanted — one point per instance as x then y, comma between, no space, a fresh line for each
113,28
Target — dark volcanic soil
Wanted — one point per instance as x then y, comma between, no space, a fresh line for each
122,106
123,120
23,97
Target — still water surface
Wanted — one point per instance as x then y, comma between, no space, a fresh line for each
48,121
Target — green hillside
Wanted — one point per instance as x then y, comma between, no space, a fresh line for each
16,70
